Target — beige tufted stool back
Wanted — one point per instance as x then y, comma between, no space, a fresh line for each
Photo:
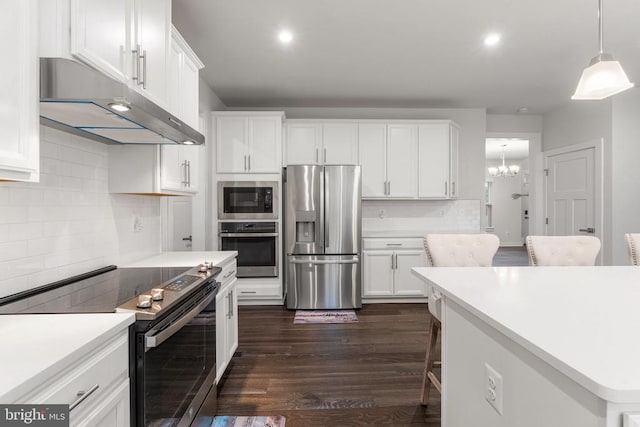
562,250
633,246
450,250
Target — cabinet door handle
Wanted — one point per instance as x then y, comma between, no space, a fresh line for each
324,155
82,395
446,193
249,162
185,180
453,188
394,261
230,296
245,164
144,69
189,173
316,155
136,64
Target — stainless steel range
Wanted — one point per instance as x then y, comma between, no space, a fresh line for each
173,341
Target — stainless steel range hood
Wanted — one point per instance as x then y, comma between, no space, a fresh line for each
78,99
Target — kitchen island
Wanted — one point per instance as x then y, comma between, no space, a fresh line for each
539,346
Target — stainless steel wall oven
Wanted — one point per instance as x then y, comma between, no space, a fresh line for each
257,246
250,200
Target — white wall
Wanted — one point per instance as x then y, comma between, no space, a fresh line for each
583,121
625,198
68,223
205,202
514,123
472,123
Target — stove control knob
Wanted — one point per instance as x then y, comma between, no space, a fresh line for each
203,268
208,264
157,294
144,301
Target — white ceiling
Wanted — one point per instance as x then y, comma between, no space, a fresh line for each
514,148
404,53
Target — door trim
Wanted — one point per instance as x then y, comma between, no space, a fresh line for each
598,186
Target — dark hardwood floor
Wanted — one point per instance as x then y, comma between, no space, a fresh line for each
511,256
361,374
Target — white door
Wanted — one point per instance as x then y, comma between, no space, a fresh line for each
571,193
453,161
303,143
373,159
172,171
378,274
189,82
405,282
178,223
264,144
340,144
232,323
402,161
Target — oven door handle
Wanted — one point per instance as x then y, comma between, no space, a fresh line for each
248,234
354,260
151,340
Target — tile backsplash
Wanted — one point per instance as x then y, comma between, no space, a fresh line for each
68,223
439,216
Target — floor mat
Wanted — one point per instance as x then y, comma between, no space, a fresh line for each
269,421
316,316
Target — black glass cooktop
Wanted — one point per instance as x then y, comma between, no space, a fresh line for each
101,293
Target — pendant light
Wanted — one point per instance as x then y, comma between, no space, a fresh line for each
503,170
604,76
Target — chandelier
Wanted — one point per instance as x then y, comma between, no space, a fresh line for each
504,171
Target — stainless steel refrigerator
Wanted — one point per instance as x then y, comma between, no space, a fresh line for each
322,234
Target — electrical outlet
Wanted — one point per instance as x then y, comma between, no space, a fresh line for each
137,224
493,388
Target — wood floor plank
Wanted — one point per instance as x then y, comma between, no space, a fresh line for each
359,374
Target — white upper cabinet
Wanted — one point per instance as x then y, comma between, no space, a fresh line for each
128,40
153,169
303,143
321,143
438,160
19,119
402,162
183,80
388,156
248,142
150,44
373,159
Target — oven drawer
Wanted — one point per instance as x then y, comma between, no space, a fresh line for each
89,379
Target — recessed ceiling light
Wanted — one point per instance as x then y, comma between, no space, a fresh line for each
285,36
492,39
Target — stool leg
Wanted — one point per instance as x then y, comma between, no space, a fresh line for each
428,377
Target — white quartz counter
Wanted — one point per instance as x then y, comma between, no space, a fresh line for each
184,259
35,347
394,233
583,321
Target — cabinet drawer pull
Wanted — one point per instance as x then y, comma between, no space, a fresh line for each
394,244
228,274
82,395
248,292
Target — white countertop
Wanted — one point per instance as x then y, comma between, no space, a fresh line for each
583,321
37,346
184,259
394,233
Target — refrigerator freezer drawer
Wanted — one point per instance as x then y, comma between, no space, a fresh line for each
323,282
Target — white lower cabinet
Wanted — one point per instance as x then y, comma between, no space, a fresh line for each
387,265
226,318
101,375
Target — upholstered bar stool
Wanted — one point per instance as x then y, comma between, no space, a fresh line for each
450,250
562,250
633,246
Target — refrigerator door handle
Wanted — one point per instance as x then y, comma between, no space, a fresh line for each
354,260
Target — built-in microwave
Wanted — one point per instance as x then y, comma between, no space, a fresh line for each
248,200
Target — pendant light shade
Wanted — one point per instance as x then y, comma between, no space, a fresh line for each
604,76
